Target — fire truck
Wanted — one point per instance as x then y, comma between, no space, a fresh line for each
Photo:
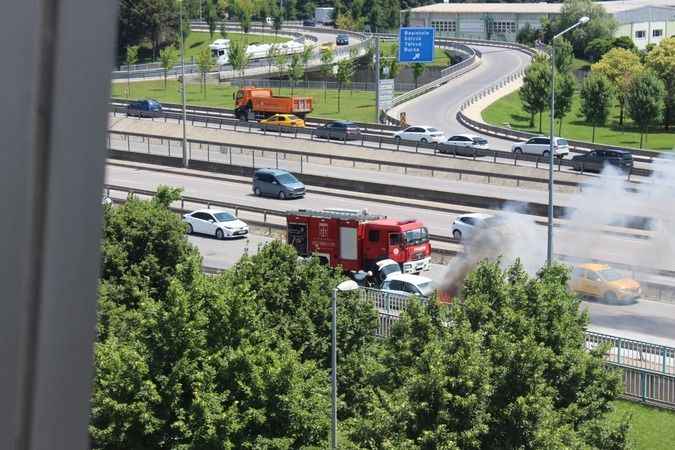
356,240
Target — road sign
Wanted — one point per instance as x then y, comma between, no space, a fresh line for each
416,44
386,94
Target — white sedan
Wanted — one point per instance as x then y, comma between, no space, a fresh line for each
421,134
409,284
466,225
468,140
213,222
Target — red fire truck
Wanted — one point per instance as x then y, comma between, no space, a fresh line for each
357,240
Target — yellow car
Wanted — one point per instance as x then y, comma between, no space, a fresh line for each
601,281
277,121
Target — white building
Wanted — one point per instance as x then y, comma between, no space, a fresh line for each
646,21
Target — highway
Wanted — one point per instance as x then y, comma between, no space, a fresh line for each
643,320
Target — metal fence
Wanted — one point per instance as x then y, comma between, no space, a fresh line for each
633,353
643,385
318,84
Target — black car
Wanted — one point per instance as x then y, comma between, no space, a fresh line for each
308,23
340,129
342,39
595,161
144,108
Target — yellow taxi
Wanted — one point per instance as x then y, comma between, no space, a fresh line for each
602,281
278,121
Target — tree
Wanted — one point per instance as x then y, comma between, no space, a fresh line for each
620,66
527,35
417,69
238,57
391,63
211,18
535,92
223,30
205,63
452,58
306,56
624,42
564,93
406,18
327,58
295,70
308,10
662,61
277,20
345,72
564,56
281,60
597,96
512,371
644,101
244,9
601,25
272,53
132,58
597,48
169,58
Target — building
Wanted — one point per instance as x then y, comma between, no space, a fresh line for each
646,21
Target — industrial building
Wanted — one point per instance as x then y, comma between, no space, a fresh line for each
645,21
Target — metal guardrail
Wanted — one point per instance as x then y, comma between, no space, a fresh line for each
634,353
202,115
654,388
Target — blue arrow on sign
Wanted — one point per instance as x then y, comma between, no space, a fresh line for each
416,44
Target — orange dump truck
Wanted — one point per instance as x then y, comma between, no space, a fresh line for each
258,103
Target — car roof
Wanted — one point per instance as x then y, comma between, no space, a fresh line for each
470,136
593,267
346,122
409,278
212,211
476,215
272,171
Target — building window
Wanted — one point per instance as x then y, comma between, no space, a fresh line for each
640,34
503,27
444,26
657,33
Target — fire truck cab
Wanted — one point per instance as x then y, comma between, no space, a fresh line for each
357,241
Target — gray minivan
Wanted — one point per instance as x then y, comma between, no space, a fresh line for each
277,183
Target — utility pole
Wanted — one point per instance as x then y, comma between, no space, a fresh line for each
377,79
182,82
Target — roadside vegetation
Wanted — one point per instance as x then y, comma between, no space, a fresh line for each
358,106
651,428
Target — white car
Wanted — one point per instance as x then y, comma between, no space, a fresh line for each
540,145
221,224
409,284
421,134
466,225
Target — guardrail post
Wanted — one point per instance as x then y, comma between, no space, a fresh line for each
618,351
169,142
663,359
301,163
128,144
253,159
276,159
643,386
148,146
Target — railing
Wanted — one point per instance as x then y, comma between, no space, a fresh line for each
317,84
655,388
382,141
633,353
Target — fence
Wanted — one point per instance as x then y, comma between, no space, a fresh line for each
638,354
323,85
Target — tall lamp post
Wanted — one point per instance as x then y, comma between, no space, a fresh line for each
549,249
345,286
182,82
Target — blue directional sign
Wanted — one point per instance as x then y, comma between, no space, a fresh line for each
416,44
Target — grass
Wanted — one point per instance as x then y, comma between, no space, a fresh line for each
651,428
440,58
358,106
198,40
509,110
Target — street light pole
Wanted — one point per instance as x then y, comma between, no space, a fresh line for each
377,79
182,82
345,286
549,247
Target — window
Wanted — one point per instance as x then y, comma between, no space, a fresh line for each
592,276
415,130
640,34
225,217
396,285
578,273
394,239
201,216
444,26
503,27
416,236
657,33
374,235
264,177
468,220
286,178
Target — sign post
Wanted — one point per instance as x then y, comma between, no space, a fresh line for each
416,45
385,93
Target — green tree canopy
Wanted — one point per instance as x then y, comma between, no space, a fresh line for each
662,61
644,101
168,56
597,96
601,25
620,66
535,92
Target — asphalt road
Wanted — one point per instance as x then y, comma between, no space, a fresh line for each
517,240
439,107
643,320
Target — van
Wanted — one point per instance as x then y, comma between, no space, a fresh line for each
277,183
144,108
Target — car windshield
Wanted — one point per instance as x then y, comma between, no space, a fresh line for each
292,117
562,142
287,178
478,140
433,130
389,269
224,217
416,236
427,289
611,275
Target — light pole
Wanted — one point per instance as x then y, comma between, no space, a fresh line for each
345,286
377,79
182,82
549,248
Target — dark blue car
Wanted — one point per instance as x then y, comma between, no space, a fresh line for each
342,39
144,108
